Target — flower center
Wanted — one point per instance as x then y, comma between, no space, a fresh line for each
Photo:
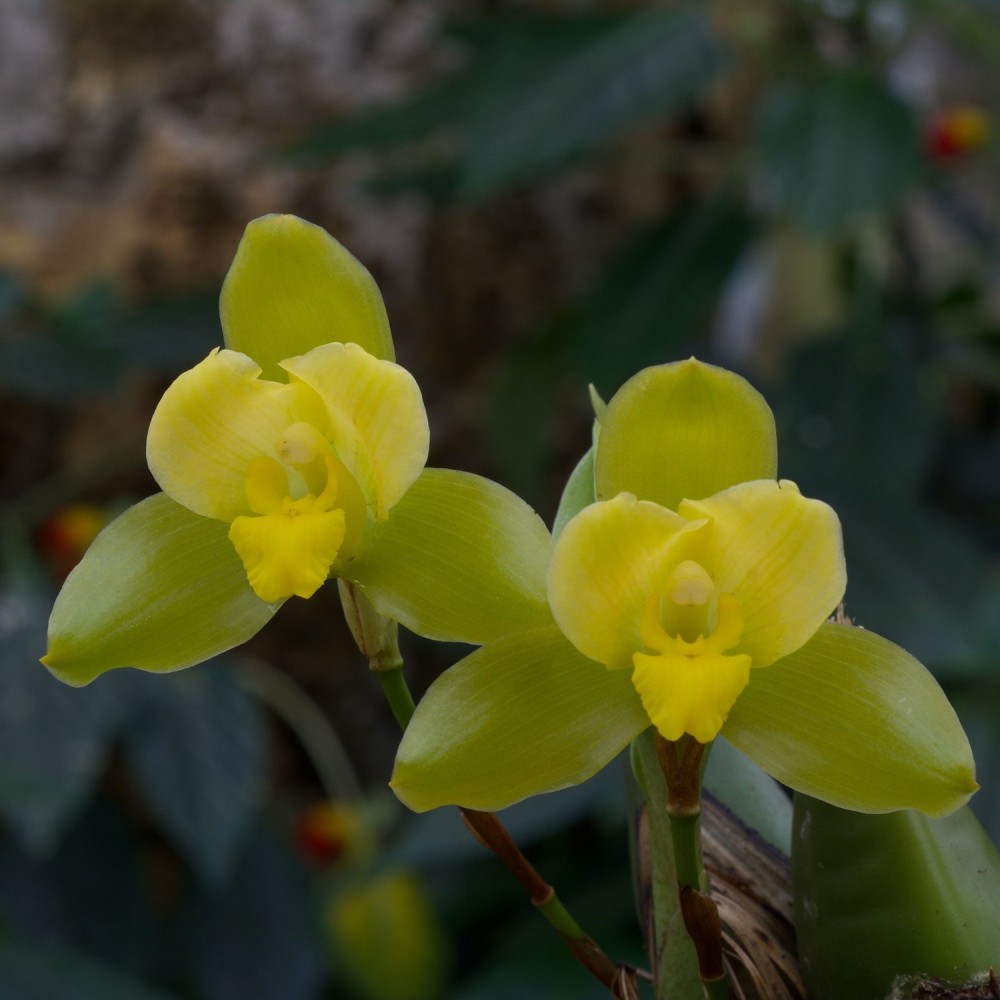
299,523
305,478
690,618
688,681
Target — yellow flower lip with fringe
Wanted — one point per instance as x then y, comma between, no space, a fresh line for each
692,600
296,468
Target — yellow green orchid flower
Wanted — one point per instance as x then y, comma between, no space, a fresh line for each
682,566
691,600
295,454
293,468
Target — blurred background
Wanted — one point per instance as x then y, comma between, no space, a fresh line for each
549,194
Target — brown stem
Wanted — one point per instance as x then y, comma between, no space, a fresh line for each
489,831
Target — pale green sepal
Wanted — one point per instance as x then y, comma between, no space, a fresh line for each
159,589
899,894
524,715
459,559
674,960
293,287
578,493
856,721
684,431
597,403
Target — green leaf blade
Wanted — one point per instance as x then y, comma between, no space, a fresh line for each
901,894
836,149
655,63
44,972
524,715
199,752
855,720
459,559
160,589
292,287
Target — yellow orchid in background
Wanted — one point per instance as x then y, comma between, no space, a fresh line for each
682,566
693,600
295,469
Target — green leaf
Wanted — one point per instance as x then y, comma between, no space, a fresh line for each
93,893
51,370
510,52
674,957
32,971
899,894
684,431
199,755
579,493
655,63
524,715
459,558
856,721
258,936
836,149
859,427
293,287
54,742
750,794
159,589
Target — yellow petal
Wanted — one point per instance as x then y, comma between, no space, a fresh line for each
211,423
781,555
376,416
288,554
689,694
608,561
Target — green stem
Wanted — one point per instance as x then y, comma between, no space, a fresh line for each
681,762
397,693
685,834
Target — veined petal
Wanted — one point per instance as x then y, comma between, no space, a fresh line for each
782,555
159,589
212,422
292,287
288,554
689,694
523,715
607,562
684,430
856,721
461,559
376,415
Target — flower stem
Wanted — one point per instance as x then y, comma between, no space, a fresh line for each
397,694
489,831
376,638
681,764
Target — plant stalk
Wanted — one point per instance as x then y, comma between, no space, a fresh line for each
681,764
